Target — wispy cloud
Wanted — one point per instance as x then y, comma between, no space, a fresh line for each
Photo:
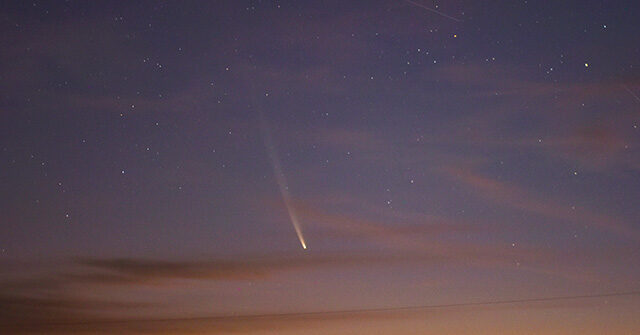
513,196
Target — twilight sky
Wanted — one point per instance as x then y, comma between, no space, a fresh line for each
162,164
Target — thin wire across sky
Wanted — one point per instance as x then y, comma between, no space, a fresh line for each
351,311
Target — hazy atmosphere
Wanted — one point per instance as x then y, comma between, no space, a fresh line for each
320,167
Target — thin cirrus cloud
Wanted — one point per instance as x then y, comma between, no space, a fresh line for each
422,234
140,271
260,268
512,196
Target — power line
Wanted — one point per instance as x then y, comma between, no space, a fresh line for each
340,312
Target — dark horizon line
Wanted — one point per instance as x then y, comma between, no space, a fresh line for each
336,312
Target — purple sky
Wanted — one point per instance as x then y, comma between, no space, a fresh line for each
156,156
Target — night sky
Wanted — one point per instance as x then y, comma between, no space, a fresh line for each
315,167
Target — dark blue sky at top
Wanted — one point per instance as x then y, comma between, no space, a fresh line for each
71,69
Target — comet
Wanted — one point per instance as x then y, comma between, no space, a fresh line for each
280,178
